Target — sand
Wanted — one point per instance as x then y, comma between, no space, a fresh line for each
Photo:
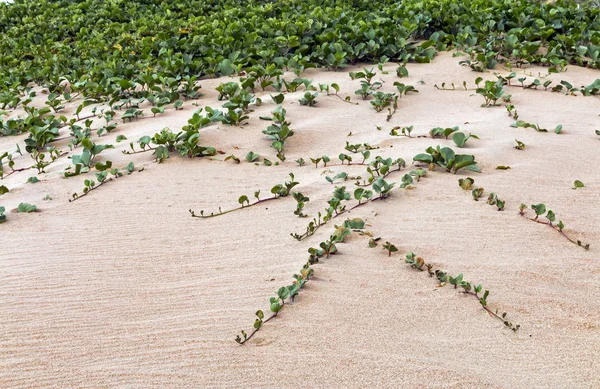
122,288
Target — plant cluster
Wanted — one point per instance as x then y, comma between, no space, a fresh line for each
447,159
102,178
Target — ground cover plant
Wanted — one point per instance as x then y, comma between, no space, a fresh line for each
541,210
278,191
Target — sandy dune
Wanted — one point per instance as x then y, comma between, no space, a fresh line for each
122,288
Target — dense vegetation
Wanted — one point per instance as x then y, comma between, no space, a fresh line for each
95,43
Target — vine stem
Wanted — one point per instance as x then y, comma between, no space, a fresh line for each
384,176
31,167
307,234
256,329
341,98
89,190
234,209
139,151
554,227
492,313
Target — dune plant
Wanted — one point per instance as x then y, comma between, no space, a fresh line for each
2,215
491,91
447,159
277,303
102,178
26,208
278,191
445,132
520,145
301,201
367,85
279,131
460,139
540,210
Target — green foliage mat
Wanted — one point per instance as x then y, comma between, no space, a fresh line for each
93,41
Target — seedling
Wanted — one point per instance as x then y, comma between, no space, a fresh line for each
336,88
540,210
383,100
404,89
367,87
477,193
301,200
252,157
279,131
309,99
278,191
445,132
466,183
460,139
414,261
491,91
2,215
390,248
520,145
578,184
404,131
26,208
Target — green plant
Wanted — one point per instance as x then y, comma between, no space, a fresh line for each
460,138
578,184
26,208
277,303
477,193
301,201
309,99
446,158
252,157
390,248
367,86
445,132
279,131
404,131
520,145
540,210
383,100
404,89
102,178
278,191
491,91
466,183
86,159
2,215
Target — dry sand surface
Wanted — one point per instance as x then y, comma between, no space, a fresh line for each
123,289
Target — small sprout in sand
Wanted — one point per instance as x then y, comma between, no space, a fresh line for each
466,183
252,157
491,91
578,184
414,261
300,162
540,210
520,145
301,200
460,139
309,99
390,248
26,208
477,193
502,167
2,215
404,131
233,158
445,132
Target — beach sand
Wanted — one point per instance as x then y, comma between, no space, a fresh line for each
123,289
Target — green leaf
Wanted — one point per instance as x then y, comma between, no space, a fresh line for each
539,209
502,167
33,180
26,208
3,190
278,99
578,184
